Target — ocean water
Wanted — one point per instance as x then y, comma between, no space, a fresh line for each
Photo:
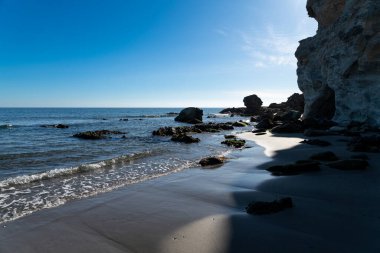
46,167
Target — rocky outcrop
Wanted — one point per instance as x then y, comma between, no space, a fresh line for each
96,135
339,68
190,115
295,102
253,104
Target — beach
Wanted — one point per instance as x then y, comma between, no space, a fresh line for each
203,210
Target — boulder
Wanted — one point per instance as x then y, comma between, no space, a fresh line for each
253,104
190,115
295,102
229,136
211,161
338,68
184,138
261,207
233,110
240,124
62,126
265,124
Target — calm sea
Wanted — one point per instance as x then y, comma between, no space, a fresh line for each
45,167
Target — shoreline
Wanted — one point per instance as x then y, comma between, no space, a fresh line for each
202,210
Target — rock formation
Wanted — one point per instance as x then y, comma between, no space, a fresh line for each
253,104
295,102
190,115
339,68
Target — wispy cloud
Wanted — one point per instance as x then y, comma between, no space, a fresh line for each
222,32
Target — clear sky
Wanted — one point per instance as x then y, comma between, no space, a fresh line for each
149,53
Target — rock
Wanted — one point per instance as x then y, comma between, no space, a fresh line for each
351,164
289,127
233,110
295,102
123,120
339,68
234,142
240,124
324,156
190,115
96,135
262,133
211,161
62,126
199,128
259,131
265,124
294,169
253,104
261,207
369,144
230,136
290,115
184,138
316,142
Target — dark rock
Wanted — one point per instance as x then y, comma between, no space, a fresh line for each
253,104
190,115
199,128
288,127
290,115
265,124
62,126
294,169
233,110
316,142
261,207
322,124
230,136
123,120
351,164
262,133
295,102
184,138
259,131
370,144
96,135
234,142
210,161
324,156
240,124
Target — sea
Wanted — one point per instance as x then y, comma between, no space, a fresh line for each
43,167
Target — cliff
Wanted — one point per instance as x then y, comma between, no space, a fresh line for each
339,68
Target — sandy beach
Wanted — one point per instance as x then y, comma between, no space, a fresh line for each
203,210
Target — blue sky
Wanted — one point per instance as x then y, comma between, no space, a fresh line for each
157,53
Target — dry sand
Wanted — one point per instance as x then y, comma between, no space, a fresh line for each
200,210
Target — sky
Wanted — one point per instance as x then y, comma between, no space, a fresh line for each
149,53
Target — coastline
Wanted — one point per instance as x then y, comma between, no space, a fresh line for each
202,210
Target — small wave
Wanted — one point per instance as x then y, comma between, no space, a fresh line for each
55,173
166,115
6,126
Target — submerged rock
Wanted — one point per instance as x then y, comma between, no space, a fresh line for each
230,136
190,115
199,128
213,160
96,135
234,143
261,207
184,138
339,68
55,126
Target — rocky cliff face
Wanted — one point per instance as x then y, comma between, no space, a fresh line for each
339,68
